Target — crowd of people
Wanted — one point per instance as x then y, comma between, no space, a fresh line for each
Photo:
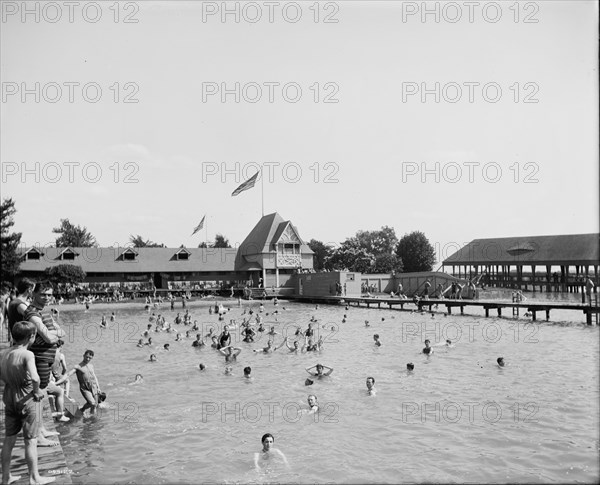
34,367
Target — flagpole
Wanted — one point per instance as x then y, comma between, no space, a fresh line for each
262,189
206,232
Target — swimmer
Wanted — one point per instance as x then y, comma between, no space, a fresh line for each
268,453
137,380
230,352
295,348
103,321
319,371
178,337
140,343
247,372
270,348
166,347
312,404
376,338
367,323
201,366
149,342
500,361
272,332
112,317
153,358
371,391
228,370
410,367
199,342
427,350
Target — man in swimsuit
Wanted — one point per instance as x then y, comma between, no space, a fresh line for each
427,350
230,352
88,382
18,305
268,453
319,371
371,386
225,337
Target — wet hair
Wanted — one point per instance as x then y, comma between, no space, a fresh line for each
90,352
427,341
247,370
22,331
265,436
312,395
372,378
500,360
410,366
42,286
201,366
166,346
24,285
376,335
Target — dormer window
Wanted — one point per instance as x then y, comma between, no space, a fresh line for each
68,254
182,255
33,254
128,255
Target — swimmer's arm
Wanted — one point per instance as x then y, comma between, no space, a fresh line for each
282,344
280,453
309,368
65,376
328,372
237,351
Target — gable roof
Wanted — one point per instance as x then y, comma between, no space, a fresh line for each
267,232
572,249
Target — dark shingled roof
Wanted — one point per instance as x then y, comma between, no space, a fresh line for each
571,249
148,260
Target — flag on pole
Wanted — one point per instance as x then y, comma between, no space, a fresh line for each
199,226
248,184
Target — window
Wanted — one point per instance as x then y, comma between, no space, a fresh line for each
184,256
33,255
70,256
128,256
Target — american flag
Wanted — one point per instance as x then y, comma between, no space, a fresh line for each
248,184
199,226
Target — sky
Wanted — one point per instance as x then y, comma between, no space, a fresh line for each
459,120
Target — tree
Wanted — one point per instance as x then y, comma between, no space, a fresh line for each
379,242
139,242
350,256
387,263
220,242
322,253
73,236
65,273
416,253
202,245
9,242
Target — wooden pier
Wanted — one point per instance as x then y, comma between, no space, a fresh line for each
532,307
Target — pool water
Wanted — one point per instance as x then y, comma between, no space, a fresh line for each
457,417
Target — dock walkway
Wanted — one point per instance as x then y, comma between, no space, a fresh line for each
533,307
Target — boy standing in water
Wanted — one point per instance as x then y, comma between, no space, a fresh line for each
88,382
22,400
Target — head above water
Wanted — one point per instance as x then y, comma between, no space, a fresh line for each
500,361
247,370
410,366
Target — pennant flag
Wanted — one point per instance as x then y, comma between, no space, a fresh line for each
199,226
248,184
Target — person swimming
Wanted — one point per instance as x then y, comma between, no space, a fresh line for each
377,341
410,367
371,386
312,404
427,350
500,361
268,453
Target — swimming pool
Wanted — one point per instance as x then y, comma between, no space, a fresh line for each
458,417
